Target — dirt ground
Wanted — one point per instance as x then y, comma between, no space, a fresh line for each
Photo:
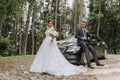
18,69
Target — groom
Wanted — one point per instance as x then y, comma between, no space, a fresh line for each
82,39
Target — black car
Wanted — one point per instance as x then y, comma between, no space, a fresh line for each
70,49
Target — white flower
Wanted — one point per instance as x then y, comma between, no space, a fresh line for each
55,33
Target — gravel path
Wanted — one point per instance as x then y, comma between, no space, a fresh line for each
19,70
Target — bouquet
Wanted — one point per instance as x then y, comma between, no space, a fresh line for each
53,34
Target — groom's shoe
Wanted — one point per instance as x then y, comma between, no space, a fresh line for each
100,64
90,66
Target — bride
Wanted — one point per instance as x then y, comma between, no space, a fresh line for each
50,60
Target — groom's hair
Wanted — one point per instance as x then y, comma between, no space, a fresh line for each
83,22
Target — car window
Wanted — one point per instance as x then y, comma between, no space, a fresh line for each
96,38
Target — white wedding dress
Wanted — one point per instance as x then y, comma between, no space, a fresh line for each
50,60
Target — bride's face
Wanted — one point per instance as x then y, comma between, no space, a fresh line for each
50,24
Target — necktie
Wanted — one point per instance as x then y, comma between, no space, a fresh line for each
84,33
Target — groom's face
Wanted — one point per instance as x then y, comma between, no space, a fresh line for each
83,25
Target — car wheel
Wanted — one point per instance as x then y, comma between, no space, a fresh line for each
105,54
83,58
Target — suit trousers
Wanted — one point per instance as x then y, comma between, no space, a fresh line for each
87,47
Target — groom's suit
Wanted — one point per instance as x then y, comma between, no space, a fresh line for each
86,45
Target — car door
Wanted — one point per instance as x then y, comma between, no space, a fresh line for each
97,44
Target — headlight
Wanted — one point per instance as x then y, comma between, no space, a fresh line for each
98,44
73,49
103,42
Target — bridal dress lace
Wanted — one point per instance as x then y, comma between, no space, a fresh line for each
50,60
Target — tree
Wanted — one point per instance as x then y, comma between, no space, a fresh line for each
27,24
104,22
24,21
56,12
11,13
33,26
78,8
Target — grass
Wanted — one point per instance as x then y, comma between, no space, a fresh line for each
20,57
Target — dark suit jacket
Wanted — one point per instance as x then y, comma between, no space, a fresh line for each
80,34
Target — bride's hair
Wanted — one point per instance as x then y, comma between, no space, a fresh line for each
50,21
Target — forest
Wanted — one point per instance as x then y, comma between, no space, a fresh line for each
23,22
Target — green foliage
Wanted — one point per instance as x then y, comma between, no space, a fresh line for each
8,7
13,24
5,47
18,57
109,21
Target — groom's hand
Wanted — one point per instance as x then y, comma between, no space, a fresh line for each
86,30
84,38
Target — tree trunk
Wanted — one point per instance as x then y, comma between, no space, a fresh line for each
60,27
65,18
81,11
110,44
75,16
98,28
41,17
0,27
33,39
16,33
20,38
26,28
56,13
65,25
16,24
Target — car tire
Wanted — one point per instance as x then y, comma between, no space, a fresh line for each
83,58
105,54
